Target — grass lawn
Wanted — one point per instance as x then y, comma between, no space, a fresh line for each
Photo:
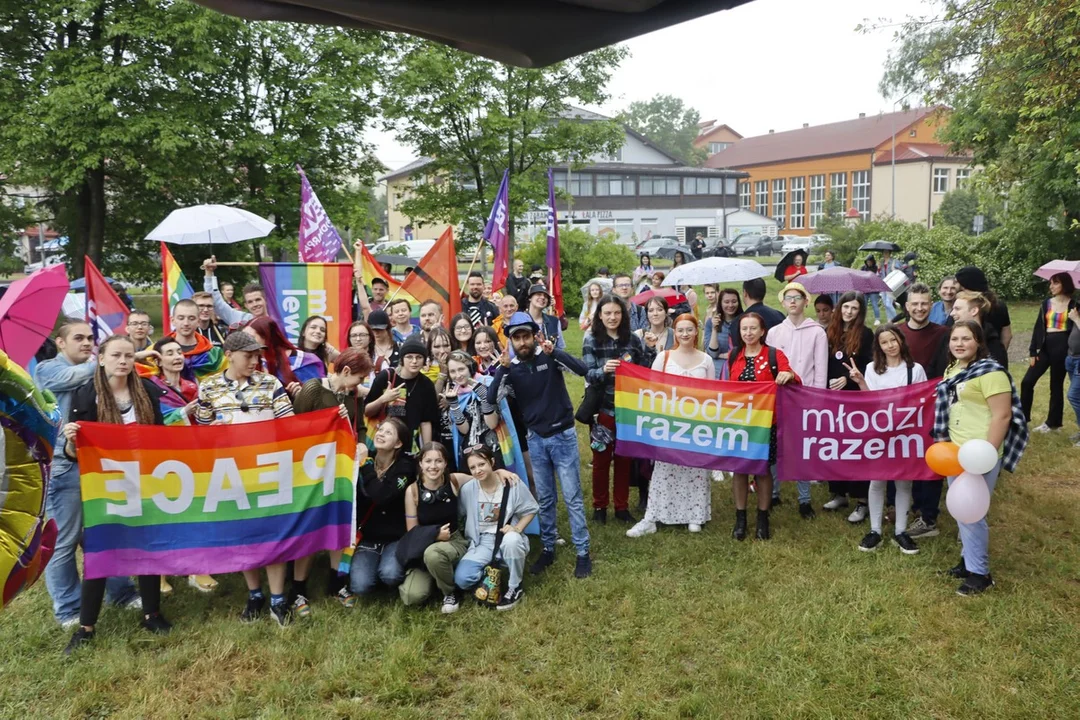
670,625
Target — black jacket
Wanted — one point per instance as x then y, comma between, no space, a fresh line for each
519,288
1038,335
84,405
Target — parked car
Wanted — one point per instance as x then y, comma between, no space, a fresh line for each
414,249
753,244
718,247
807,243
656,242
50,260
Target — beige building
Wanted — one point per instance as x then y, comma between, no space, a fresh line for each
924,172
714,137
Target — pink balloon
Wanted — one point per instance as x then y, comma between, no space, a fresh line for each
968,498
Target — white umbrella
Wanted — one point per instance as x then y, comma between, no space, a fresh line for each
716,270
604,283
210,224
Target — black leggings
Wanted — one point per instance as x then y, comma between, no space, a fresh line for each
1052,357
93,595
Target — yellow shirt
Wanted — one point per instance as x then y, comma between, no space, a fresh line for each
969,416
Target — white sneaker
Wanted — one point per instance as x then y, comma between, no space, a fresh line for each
1075,438
1044,428
643,527
134,604
860,513
450,604
70,623
718,476
837,502
693,527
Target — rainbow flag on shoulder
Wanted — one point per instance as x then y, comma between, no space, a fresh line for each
174,287
207,500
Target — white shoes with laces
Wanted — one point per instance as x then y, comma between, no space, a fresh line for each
643,527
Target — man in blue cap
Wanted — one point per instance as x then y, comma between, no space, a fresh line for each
532,378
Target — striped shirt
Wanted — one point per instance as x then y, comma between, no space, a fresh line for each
260,397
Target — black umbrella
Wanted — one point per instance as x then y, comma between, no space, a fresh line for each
880,245
667,252
787,261
399,260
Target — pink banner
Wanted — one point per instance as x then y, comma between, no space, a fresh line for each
872,435
319,239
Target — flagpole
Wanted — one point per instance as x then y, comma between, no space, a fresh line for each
476,255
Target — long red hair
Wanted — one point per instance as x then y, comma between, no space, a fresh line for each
278,347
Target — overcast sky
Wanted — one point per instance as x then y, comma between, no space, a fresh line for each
768,64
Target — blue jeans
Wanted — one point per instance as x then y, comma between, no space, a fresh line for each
512,551
801,486
885,299
975,537
373,563
559,454
1072,368
63,503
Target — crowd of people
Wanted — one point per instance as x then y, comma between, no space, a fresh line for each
466,430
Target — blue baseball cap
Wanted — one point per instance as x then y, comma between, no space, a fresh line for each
520,321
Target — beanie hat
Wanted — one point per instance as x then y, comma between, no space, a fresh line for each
413,345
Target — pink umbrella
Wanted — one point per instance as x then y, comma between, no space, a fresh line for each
673,296
1070,267
28,311
842,279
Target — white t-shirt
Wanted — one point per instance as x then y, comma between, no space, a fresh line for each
128,417
488,520
893,377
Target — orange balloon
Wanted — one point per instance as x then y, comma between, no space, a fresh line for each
944,458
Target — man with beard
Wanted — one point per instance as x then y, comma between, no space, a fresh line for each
479,310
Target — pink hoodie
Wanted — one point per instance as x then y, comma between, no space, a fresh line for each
806,347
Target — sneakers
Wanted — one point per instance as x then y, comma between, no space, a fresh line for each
599,515
546,560
693,527
70,624
346,598
511,598
300,607
254,609
859,514
625,516
156,624
837,502
920,528
974,584
906,544
560,541
450,604
282,613
134,604
583,567
959,571
870,542
81,637
1044,428
645,527
805,510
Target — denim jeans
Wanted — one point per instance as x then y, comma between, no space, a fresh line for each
64,504
1072,368
801,486
372,563
512,551
975,537
882,299
559,455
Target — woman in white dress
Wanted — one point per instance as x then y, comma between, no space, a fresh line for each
679,495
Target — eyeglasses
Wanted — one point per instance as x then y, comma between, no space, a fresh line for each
622,285
792,298
205,307
138,323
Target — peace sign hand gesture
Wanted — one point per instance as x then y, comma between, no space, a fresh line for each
854,373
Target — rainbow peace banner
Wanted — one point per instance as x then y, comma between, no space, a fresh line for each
296,291
713,424
179,500
174,287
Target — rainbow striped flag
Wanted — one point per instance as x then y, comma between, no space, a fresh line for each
296,291
174,287
371,269
713,424
205,500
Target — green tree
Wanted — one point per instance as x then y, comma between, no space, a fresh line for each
475,117
581,254
669,123
959,208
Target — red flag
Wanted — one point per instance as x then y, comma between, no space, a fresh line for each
105,311
436,277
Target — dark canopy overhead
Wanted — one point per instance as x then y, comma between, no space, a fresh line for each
529,33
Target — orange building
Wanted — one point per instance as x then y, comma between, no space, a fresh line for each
715,137
792,173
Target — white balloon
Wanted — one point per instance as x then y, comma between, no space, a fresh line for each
968,498
977,457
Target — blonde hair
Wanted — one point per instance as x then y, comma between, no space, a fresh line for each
977,300
108,410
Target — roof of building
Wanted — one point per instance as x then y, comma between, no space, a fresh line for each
405,170
708,127
920,152
674,169
839,138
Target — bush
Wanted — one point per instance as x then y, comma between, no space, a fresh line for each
581,254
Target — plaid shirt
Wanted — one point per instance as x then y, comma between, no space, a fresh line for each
261,397
1016,437
596,352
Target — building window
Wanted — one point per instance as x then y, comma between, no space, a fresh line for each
962,177
716,186
581,185
779,200
614,185
761,197
659,185
648,228
615,156
559,178
695,186
798,203
817,199
730,186
673,186
838,188
941,180
715,147
744,195
860,193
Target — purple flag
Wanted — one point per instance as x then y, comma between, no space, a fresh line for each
497,233
553,265
319,240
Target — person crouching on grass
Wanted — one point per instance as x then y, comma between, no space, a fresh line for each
118,396
977,400
754,362
242,394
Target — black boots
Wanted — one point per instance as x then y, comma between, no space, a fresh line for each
762,524
739,532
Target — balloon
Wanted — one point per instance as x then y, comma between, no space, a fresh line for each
968,498
977,457
941,457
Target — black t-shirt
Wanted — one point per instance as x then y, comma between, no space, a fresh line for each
386,521
421,404
999,315
481,312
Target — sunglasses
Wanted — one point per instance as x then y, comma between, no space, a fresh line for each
244,407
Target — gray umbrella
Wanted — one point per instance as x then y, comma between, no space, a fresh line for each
880,245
